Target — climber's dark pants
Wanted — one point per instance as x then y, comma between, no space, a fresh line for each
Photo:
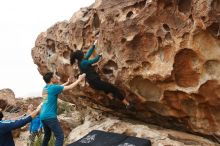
98,84
52,125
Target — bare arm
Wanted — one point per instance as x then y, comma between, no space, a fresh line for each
81,77
8,126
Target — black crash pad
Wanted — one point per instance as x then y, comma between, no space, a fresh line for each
101,138
135,141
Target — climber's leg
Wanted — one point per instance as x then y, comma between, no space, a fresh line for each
107,88
110,89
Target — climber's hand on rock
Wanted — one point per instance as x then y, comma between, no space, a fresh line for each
82,76
101,54
95,43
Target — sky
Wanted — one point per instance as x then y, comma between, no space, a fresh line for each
21,21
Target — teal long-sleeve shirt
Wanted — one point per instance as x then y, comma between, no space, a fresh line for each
86,62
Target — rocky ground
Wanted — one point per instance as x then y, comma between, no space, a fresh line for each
79,123
97,120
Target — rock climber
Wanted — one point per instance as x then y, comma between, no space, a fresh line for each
93,78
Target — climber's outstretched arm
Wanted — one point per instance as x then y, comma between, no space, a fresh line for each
94,60
89,53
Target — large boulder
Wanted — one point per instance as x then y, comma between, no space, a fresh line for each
7,99
162,54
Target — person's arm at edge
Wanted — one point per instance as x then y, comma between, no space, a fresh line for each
21,122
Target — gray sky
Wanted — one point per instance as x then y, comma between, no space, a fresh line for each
21,21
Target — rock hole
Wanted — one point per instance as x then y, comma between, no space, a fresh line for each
166,27
74,46
145,64
124,68
159,40
60,31
191,18
137,69
96,21
109,67
184,5
107,71
186,64
66,54
123,40
145,41
129,14
214,29
50,45
129,62
140,4
203,18
145,88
